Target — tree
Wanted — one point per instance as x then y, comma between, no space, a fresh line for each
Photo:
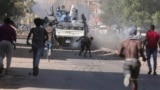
14,8
131,12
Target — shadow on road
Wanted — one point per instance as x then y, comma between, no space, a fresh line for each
75,80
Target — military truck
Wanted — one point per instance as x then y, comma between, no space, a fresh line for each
68,31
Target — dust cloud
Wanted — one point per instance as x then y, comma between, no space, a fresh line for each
111,39
42,8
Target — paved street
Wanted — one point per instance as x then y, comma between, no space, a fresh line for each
68,71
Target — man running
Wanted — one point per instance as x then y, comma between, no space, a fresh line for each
130,50
39,37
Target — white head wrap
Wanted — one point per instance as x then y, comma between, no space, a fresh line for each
132,33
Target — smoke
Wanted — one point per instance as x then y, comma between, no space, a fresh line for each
83,9
41,8
38,11
111,39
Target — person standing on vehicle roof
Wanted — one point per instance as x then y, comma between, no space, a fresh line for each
84,21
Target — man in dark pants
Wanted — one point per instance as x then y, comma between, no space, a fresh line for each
151,42
38,39
85,45
130,50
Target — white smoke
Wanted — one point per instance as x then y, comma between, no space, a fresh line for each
112,39
42,8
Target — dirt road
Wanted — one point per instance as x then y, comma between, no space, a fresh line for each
68,71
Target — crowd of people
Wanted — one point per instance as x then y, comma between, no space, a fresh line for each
72,17
65,16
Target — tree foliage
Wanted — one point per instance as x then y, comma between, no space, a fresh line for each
131,12
12,8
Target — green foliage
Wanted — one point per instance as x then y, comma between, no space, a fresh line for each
14,8
131,12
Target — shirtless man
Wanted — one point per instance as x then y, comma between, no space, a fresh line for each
130,50
85,45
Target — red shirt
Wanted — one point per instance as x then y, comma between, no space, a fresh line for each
152,39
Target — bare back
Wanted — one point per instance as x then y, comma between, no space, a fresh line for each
131,48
